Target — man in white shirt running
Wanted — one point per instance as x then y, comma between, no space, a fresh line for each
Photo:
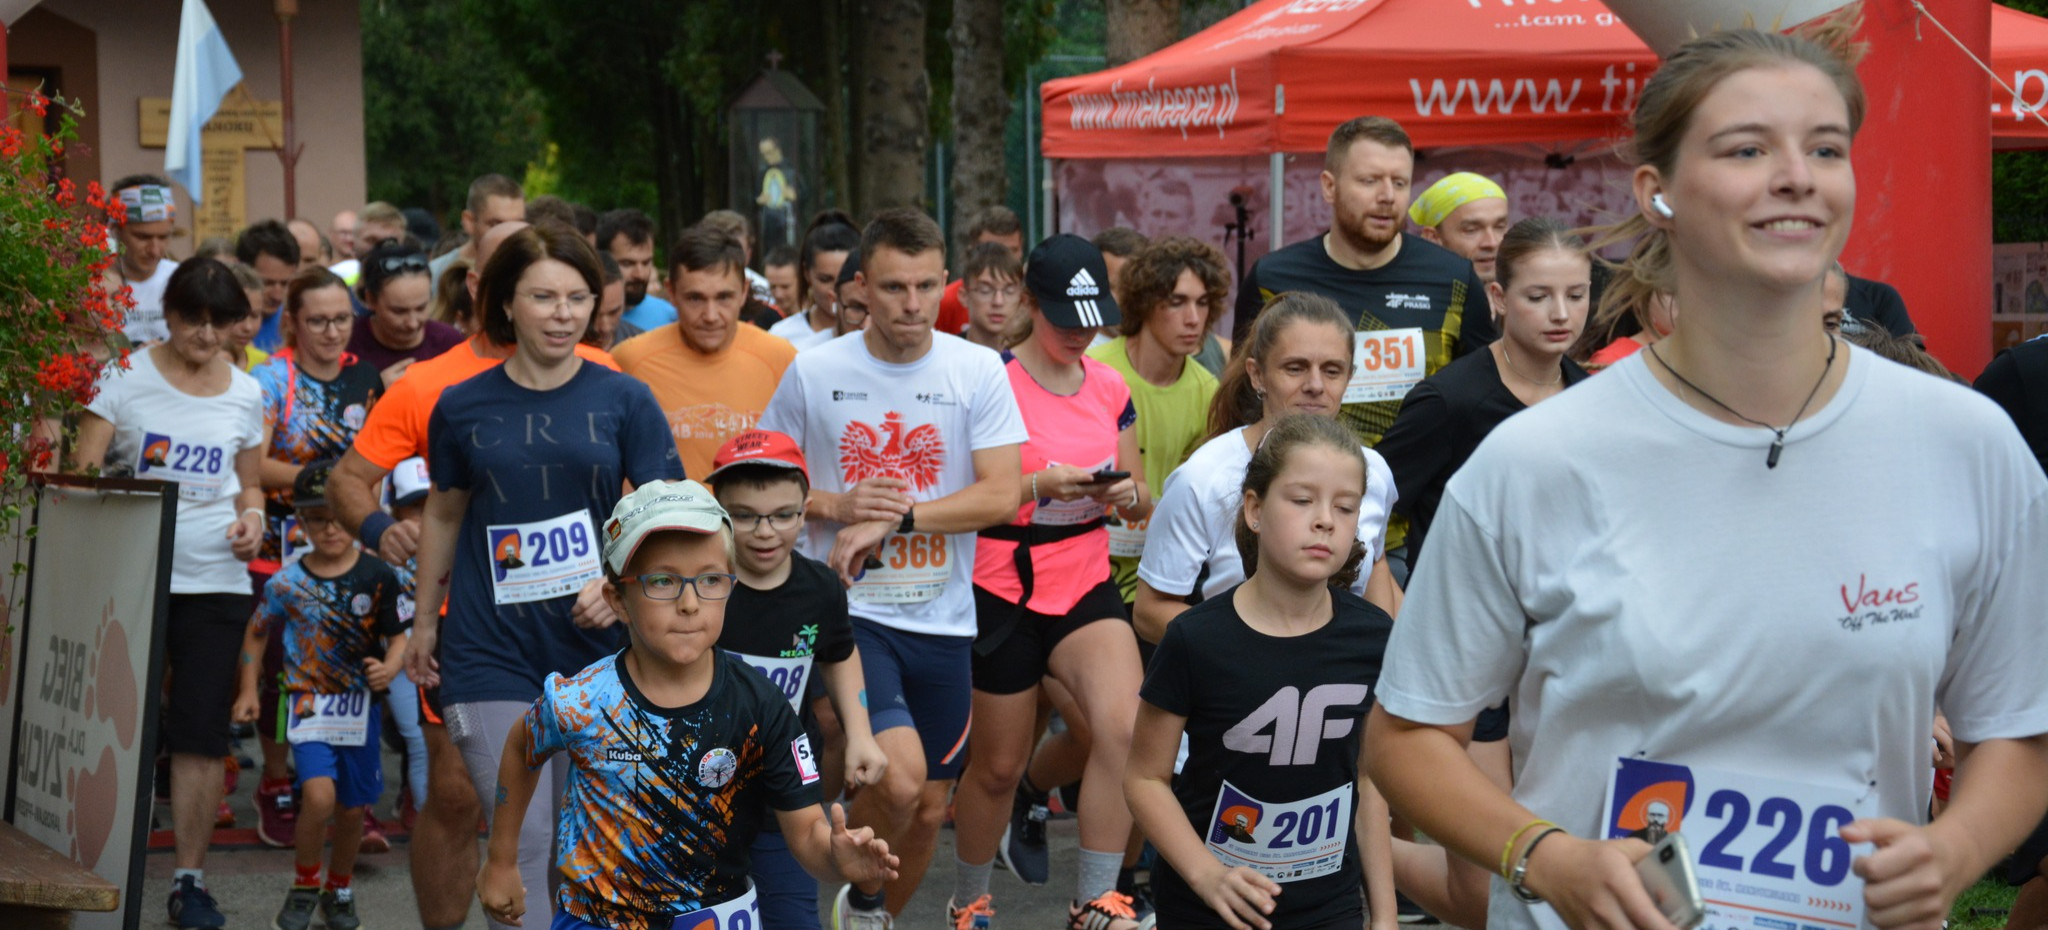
916,437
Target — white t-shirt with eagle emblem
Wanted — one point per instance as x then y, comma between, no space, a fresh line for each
857,417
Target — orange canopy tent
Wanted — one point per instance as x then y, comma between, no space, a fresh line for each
1280,74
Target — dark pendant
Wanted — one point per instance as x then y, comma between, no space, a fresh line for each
1777,446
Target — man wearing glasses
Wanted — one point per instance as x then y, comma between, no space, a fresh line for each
397,289
712,376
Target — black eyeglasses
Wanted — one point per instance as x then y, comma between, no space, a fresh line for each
400,264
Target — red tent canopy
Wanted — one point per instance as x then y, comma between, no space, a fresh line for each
1280,74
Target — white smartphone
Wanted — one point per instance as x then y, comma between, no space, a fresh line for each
1668,876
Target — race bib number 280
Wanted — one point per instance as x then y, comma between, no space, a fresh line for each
1769,852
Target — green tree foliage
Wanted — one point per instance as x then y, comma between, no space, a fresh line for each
438,107
2019,180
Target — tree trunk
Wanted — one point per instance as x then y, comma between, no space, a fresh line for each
895,106
838,145
1137,28
673,186
981,108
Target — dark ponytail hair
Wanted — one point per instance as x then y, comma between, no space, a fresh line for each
1237,401
830,231
1298,431
1532,236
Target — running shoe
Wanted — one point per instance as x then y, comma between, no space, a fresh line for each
374,840
277,814
338,909
192,908
980,915
847,917
223,816
297,912
1111,911
1023,850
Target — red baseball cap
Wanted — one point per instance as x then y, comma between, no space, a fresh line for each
759,447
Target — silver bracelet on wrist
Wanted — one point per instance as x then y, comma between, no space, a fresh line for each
1521,870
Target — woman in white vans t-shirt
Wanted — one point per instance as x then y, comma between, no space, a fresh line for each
183,413
1661,568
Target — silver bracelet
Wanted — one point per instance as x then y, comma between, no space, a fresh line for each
1034,487
1521,870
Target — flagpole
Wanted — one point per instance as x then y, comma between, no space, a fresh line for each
289,154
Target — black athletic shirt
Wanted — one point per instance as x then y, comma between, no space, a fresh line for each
1426,286
1240,688
2018,380
804,618
1441,422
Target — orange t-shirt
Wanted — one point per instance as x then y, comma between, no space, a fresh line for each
707,398
397,426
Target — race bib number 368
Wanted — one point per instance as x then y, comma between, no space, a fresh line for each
1769,852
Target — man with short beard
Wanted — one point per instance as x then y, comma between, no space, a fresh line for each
1418,304
627,235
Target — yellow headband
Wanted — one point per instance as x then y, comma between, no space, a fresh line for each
1450,193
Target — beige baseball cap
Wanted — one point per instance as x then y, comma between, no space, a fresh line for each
654,507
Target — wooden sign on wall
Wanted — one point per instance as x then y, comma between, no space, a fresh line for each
241,124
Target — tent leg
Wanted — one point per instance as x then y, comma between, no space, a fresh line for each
1277,195
1047,222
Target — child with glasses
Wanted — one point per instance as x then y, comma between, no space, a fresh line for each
795,632
343,642
677,749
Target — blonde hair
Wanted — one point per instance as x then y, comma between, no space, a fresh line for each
1664,112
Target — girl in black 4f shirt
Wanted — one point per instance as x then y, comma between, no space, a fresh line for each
1270,683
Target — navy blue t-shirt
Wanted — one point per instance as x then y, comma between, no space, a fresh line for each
543,470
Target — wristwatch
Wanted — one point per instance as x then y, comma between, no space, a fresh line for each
909,523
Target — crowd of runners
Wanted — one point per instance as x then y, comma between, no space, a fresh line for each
700,585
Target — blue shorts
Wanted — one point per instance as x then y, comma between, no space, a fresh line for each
789,895
357,771
921,681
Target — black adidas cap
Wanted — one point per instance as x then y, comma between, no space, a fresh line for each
1067,277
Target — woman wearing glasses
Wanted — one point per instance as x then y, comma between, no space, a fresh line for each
527,458
398,289
315,397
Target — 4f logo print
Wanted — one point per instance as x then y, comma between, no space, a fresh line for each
1298,723
916,455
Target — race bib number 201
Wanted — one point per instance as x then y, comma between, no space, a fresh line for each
1769,852
1286,842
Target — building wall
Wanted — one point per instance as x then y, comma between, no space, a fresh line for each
40,41
137,52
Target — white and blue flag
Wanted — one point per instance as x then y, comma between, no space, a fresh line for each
206,72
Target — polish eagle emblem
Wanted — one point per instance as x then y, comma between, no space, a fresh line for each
916,455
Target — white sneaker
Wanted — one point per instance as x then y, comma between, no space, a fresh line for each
847,917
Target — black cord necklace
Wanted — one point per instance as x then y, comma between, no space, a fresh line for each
1777,444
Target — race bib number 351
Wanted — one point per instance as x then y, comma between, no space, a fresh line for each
1385,364
1769,852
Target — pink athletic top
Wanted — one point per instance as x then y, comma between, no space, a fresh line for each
1077,429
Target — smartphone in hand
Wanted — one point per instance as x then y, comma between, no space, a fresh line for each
1107,476
1668,876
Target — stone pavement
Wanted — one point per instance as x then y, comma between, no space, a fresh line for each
249,880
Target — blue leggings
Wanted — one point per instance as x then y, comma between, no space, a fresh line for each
789,895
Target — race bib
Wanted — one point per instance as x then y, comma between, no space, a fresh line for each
1126,537
741,913
1050,512
334,719
537,561
1287,842
201,472
788,675
1769,853
911,568
1385,364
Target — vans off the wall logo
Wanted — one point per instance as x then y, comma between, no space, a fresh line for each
1874,605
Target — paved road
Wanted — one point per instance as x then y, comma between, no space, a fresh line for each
250,882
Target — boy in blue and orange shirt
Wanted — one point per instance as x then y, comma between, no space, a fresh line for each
343,642
678,748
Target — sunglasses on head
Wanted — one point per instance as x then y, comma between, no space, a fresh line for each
400,264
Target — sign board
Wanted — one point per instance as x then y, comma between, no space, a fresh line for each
91,667
2019,275
242,123
13,594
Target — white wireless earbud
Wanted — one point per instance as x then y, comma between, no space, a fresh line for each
1663,209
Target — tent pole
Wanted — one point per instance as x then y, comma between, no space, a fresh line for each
1046,222
1277,191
